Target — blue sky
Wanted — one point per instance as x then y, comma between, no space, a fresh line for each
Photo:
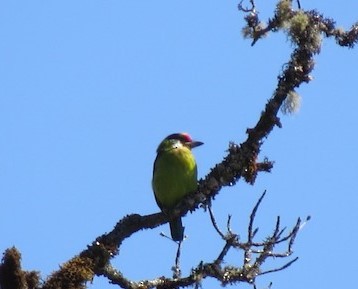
88,90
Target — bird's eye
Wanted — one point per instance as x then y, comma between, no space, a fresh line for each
177,144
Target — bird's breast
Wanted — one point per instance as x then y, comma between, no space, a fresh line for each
174,176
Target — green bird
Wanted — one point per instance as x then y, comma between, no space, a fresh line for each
174,176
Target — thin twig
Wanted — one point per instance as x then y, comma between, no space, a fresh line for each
252,218
176,269
299,4
223,253
228,224
213,221
280,268
305,222
294,234
250,234
241,7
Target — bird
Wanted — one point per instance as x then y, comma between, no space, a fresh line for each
174,176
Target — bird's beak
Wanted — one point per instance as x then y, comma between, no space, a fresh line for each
194,144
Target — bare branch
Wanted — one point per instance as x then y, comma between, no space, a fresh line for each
280,268
251,233
241,8
305,30
213,222
176,268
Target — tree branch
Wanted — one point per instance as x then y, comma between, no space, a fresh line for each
228,274
305,29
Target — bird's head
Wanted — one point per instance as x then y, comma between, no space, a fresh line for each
178,140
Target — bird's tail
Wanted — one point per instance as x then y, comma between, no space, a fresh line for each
177,229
